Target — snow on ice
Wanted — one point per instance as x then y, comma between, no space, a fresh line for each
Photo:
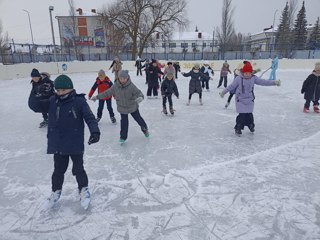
192,179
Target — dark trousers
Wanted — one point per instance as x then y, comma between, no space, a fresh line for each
164,101
230,97
205,83
307,104
225,81
200,96
244,119
147,77
60,167
139,71
125,123
109,107
153,89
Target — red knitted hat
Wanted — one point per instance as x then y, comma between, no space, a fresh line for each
247,68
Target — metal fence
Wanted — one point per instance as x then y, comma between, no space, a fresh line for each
15,58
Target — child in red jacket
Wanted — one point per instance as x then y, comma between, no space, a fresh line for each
103,83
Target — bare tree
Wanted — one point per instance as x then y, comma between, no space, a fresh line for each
4,44
227,26
140,19
293,6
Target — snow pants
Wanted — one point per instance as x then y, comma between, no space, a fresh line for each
244,119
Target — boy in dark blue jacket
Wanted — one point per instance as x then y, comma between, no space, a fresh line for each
67,113
42,90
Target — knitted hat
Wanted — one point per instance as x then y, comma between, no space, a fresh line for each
101,73
63,82
35,73
196,65
154,61
124,74
169,72
247,68
317,66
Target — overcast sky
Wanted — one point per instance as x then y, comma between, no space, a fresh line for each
251,16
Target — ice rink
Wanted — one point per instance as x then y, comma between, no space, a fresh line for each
192,179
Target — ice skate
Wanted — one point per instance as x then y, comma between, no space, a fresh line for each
85,198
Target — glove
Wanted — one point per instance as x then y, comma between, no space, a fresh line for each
95,137
221,94
277,82
302,91
94,98
139,100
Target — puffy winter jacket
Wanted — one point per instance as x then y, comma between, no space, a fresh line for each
102,86
125,96
66,124
311,87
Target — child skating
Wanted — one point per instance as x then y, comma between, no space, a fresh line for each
42,90
311,90
127,97
195,82
168,87
206,69
67,113
103,83
244,86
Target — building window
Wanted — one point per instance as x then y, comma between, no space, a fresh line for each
204,44
193,45
164,45
211,44
172,45
184,45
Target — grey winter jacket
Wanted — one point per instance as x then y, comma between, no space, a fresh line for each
125,96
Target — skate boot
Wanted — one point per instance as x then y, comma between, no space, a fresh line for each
306,110
44,123
200,101
251,128
146,133
316,109
121,141
227,105
165,110
53,199
238,132
113,119
171,110
85,197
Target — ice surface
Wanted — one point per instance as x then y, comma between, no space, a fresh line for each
192,179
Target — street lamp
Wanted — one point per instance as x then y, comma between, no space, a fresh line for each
54,42
274,37
29,25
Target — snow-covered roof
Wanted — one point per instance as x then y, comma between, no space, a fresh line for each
185,36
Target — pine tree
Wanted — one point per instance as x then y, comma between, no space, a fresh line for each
283,36
314,40
300,29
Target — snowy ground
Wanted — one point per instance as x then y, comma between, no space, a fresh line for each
193,179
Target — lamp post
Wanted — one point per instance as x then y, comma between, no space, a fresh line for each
29,25
273,35
54,42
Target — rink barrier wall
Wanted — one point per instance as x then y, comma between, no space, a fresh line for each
23,70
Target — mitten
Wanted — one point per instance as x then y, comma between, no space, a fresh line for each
95,137
94,98
221,94
139,100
